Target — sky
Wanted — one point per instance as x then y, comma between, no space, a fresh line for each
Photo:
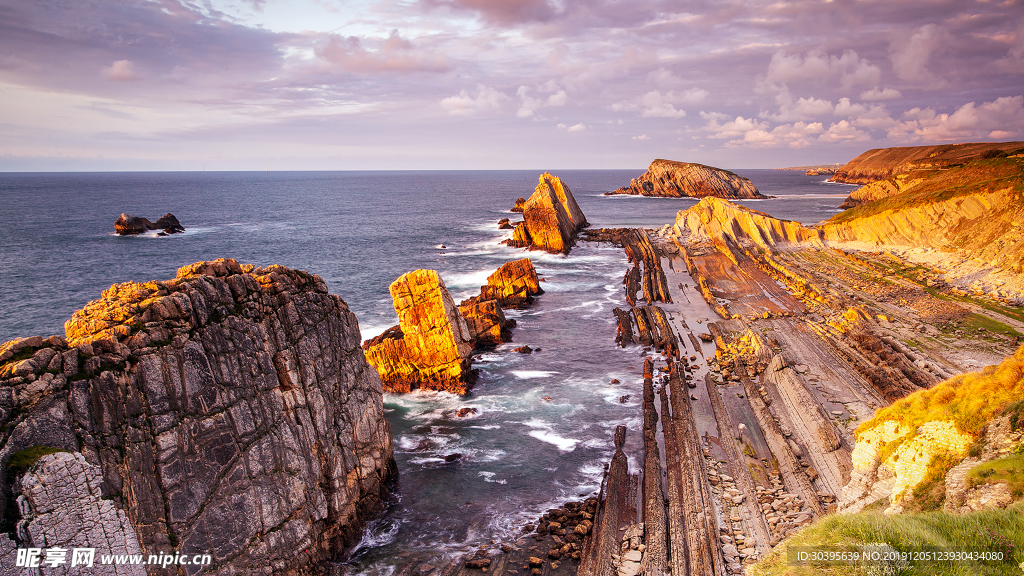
498,84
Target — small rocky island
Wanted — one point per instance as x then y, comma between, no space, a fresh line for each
129,225
670,179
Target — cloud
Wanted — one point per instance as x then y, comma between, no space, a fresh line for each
574,128
485,99
502,12
1000,119
910,57
731,129
392,54
1013,62
120,71
874,94
658,104
640,137
849,68
796,135
843,131
556,97
801,109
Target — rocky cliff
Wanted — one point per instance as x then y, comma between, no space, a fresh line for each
430,348
228,411
915,452
667,178
974,209
886,163
551,218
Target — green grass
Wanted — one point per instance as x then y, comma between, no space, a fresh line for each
24,459
1009,469
988,530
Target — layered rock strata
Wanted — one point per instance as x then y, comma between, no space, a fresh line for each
551,218
228,411
127,225
670,179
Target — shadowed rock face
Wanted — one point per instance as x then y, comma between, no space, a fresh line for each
229,411
551,218
127,225
666,178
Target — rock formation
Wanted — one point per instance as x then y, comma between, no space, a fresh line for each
551,218
228,411
430,348
127,225
666,178
519,205
719,220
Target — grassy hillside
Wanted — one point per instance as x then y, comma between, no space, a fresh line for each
988,530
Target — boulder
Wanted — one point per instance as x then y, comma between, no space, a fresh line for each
486,321
551,218
431,347
229,411
519,205
513,284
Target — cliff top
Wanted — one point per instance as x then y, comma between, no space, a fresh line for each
883,163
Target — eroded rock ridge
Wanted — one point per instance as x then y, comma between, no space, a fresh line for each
670,179
551,218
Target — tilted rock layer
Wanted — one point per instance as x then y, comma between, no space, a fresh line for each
230,412
551,218
667,178
430,348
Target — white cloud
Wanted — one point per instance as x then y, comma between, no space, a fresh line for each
910,58
731,129
641,137
851,69
391,54
874,94
795,135
485,99
573,128
802,109
1000,119
121,70
843,131
1013,62
556,97
659,104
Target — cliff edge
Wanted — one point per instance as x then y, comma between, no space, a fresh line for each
670,179
229,412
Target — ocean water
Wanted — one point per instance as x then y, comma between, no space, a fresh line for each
544,421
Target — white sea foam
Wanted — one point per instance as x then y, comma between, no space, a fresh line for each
562,443
528,374
489,477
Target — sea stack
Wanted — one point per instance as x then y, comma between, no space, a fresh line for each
229,412
430,348
670,179
551,218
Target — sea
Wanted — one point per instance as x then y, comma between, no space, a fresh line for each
543,426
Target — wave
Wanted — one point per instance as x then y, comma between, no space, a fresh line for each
529,374
562,443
